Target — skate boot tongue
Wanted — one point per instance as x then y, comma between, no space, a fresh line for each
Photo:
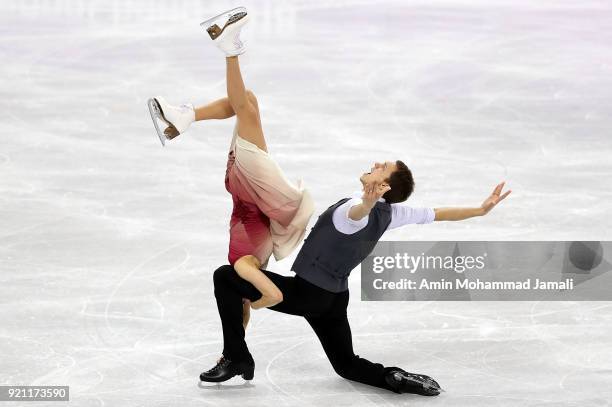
221,364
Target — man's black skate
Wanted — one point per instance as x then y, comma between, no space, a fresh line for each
225,369
404,382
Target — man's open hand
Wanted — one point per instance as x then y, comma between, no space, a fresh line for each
372,192
495,198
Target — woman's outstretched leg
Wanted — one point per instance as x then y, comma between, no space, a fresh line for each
224,30
244,104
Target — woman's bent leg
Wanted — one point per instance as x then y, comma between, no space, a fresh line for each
248,267
219,109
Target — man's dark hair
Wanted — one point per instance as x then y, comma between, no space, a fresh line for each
401,183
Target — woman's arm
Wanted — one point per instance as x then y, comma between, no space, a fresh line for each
247,267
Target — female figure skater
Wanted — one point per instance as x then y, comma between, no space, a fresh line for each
270,213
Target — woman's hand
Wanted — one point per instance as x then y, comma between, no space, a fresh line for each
267,301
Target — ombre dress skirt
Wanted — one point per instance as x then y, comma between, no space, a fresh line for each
270,213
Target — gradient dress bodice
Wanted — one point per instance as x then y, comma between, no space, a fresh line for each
270,213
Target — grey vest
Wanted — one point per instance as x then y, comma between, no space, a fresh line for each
328,256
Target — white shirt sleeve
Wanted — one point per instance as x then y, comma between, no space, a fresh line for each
343,223
404,215
400,215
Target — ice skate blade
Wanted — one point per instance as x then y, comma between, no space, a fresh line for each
212,25
157,114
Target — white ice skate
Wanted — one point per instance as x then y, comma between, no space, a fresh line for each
224,30
170,121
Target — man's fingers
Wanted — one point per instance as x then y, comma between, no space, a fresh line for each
375,190
498,188
505,194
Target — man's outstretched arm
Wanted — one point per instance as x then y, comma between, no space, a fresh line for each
465,213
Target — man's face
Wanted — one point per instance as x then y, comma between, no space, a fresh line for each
379,172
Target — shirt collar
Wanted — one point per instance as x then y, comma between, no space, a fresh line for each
358,194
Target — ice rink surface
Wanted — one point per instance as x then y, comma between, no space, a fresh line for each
108,241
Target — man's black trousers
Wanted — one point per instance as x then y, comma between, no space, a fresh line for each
325,312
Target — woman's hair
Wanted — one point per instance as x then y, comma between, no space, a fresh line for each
401,183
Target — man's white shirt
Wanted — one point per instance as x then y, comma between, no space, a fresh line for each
400,215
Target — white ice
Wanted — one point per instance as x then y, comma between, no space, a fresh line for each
108,241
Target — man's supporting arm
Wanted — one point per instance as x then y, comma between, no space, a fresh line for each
371,194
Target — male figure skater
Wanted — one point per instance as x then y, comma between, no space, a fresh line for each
342,237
